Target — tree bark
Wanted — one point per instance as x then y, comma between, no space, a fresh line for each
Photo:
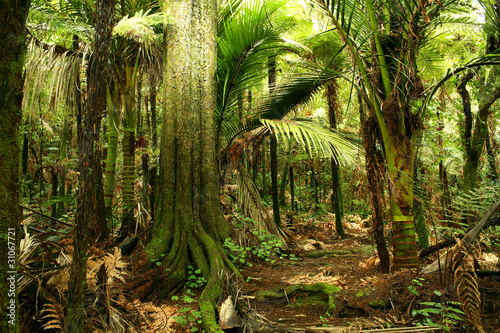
188,220
336,197
274,179
109,184
374,185
152,102
90,167
12,53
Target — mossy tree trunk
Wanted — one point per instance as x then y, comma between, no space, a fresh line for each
128,100
88,205
189,223
12,52
477,136
110,172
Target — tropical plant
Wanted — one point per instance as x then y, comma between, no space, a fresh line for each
384,44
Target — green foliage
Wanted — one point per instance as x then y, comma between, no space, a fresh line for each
419,282
188,318
447,314
237,253
195,279
269,249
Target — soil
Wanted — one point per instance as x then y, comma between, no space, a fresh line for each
401,292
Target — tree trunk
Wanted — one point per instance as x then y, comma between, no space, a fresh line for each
491,157
12,52
336,198
90,171
138,108
189,221
292,189
400,167
128,182
420,225
129,121
110,172
477,140
152,102
274,179
374,185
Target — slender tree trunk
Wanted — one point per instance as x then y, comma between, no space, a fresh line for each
263,169
138,129
491,157
129,121
12,52
284,181
189,221
292,189
90,170
337,197
128,182
374,185
477,140
420,225
152,102
110,172
274,180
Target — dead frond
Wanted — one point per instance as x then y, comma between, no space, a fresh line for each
467,287
53,314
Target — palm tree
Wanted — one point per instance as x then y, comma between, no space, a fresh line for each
247,41
383,38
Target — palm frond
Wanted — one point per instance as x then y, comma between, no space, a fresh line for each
316,139
246,41
51,73
139,27
250,202
75,16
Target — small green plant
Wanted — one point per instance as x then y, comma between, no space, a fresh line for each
237,253
416,282
195,279
268,250
448,314
188,319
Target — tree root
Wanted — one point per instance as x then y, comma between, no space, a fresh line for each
338,253
335,302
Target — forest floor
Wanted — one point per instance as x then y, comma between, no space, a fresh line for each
351,265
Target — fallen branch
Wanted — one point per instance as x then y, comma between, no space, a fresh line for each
47,217
449,242
445,262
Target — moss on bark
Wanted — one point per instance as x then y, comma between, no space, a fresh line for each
12,51
189,225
